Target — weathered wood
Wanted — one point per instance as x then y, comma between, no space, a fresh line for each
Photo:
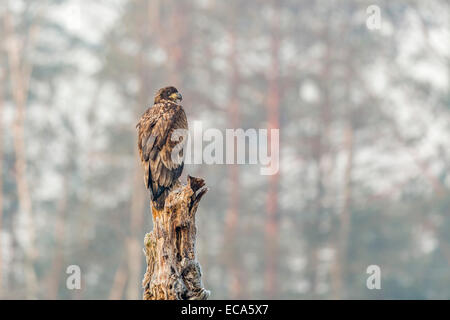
173,272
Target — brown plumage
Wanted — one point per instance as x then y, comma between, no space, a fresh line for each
156,144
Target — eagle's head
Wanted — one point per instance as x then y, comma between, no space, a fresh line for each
168,93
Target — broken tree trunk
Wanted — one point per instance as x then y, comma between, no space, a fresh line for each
173,272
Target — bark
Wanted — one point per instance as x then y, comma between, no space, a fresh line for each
173,272
20,74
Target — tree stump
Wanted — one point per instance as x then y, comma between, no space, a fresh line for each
173,272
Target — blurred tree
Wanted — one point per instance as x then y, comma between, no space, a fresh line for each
364,131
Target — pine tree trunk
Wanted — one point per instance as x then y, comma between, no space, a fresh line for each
273,121
173,272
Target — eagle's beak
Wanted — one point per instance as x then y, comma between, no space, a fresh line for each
176,96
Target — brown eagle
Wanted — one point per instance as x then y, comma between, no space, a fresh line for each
157,143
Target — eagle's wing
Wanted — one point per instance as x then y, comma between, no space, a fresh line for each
156,144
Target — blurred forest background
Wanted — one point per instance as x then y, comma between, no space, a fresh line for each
364,118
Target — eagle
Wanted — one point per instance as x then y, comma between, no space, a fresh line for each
161,145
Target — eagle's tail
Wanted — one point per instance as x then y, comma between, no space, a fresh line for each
159,194
157,203
160,197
